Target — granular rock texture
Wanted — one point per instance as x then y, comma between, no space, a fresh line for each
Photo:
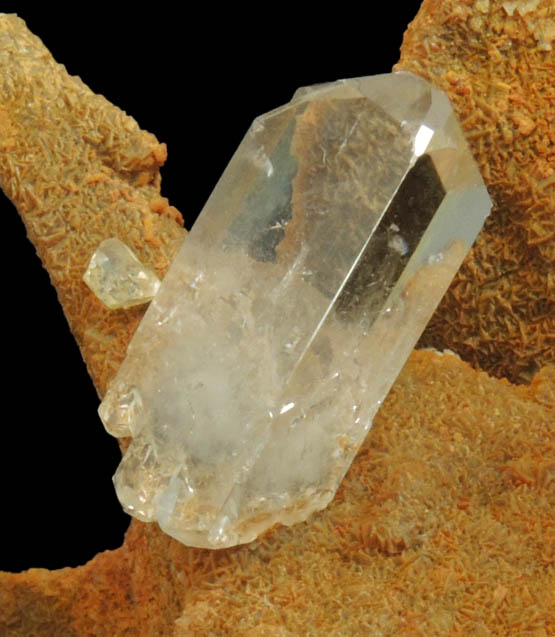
79,171
495,61
444,524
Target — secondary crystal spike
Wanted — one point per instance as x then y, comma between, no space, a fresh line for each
292,306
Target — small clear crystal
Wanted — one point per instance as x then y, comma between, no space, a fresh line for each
291,308
118,278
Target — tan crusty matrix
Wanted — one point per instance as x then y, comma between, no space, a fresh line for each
444,522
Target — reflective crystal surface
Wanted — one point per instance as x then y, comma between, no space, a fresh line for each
291,307
118,278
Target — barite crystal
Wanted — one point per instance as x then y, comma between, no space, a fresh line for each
291,307
118,278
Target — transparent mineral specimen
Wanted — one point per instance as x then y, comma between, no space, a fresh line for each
118,278
292,306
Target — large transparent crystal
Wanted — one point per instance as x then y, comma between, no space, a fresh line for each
291,307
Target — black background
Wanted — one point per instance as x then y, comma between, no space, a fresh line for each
196,81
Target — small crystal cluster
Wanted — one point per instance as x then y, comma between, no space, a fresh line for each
118,278
291,307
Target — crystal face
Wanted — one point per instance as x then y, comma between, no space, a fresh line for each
118,278
291,307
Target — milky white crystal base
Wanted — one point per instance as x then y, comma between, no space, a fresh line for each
257,370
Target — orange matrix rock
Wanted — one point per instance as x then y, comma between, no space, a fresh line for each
444,524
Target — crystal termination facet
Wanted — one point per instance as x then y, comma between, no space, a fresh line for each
291,307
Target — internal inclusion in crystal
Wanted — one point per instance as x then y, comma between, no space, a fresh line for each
291,307
388,250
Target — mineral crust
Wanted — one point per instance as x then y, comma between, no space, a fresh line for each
444,524
291,308
79,170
